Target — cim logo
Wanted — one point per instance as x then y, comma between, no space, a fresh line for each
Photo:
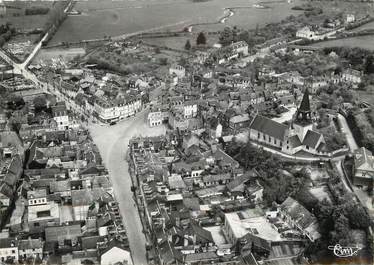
344,252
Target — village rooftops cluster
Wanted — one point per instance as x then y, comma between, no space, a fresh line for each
105,96
56,198
201,206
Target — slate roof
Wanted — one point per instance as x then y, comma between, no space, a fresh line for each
86,197
305,104
294,141
7,242
240,118
176,182
30,244
225,159
60,186
200,257
214,178
14,171
237,183
298,213
269,127
363,157
90,242
311,139
55,233
6,190
191,203
257,241
202,234
166,252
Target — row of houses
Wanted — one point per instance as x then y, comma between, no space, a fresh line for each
200,206
57,201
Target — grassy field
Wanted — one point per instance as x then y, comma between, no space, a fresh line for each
46,55
113,18
15,15
179,42
365,42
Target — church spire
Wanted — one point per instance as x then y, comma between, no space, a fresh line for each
303,114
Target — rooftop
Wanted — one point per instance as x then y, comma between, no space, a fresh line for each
250,221
269,127
43,212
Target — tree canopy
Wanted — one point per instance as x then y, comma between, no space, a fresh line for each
201,39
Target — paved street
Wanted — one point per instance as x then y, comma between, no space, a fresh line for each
113,144
347,132
343,177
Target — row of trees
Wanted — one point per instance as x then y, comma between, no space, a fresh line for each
56,16
200,40
37,10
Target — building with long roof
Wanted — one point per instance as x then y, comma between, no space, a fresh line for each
299,136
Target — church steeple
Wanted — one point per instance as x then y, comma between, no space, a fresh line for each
303,114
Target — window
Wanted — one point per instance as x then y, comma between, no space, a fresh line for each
263,136
275,141
307,147
36,224
13,251
269,139
258,135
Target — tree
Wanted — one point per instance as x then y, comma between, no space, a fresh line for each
358,217
187,46
369,65
341,234
226,36
40,103
201,39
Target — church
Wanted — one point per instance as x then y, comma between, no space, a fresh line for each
296,138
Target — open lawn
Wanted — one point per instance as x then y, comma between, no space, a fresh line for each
113,18
365,42
46,55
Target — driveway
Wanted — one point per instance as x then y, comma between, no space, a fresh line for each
112,142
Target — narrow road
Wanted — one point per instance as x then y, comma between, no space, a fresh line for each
112,142
343,177
347,132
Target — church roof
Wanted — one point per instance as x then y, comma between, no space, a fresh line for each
311,139
294,141
269,127
305,104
